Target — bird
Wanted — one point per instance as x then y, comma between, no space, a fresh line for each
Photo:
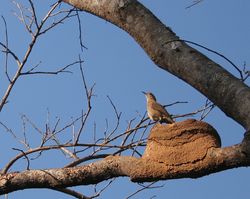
156,111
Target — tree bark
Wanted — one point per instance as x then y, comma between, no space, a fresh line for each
229,93
138,169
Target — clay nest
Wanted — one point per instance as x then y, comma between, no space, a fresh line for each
181,143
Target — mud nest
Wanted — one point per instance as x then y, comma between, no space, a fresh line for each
181,143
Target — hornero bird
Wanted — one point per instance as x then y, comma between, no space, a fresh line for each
156,111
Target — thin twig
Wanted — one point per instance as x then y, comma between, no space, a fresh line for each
246,72
128,128
209,106
47,16
91,157
130,132
71,192
24,155
14,135
51,147
24,135
23,16
195,112
25,117
194,3
118,117
35,36
149,186
103,189
94,135
50,14
89,94
6,52
61,70
139,126
34,13
140,139
210,50
80,31
174,103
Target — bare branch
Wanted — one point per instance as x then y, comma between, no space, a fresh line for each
114,166
39,30
149,186
56,147
63,149
24,155
24,134
26,118
178,102
48,135
34,16
103,189
61,70
23,17
52,135
208,106
129,131
246,72
128,128
30,151
139,140
195,2
17,75
91,157
89,94
6,52
80,31
14,135
54,24
143,119
72,193
53,7
118,117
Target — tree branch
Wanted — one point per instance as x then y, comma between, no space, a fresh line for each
226,91
138,169
72,193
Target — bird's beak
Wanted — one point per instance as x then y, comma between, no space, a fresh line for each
144,92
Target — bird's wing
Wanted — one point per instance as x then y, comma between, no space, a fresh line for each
161,109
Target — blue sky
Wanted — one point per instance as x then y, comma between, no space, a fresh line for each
121,69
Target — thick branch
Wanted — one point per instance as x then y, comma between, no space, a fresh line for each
138,169
171,54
